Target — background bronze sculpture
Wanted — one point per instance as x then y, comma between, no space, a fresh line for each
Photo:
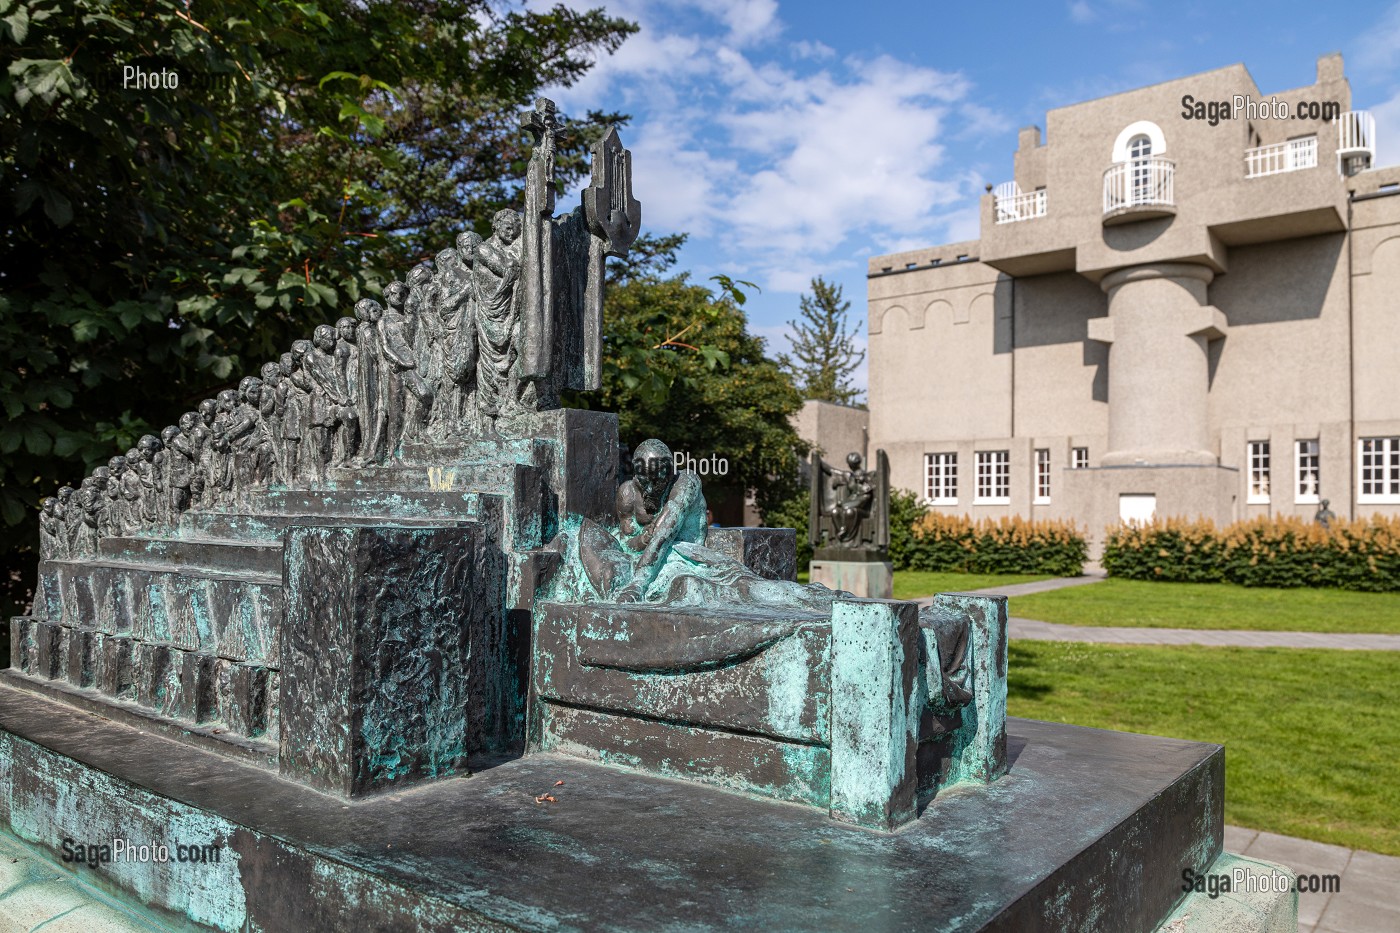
850,517
849,525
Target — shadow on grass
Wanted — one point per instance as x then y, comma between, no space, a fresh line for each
1022,682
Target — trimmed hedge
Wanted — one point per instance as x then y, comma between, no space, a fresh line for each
941,542
1278,552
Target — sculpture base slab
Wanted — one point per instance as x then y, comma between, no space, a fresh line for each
1088,830
1249,907
874,579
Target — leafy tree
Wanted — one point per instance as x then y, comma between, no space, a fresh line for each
824,347
679,364
160,242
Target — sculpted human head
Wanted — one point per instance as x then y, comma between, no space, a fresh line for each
395,293
345,329
228,400
148,446
207,410
287,364
49,506
189,421
99,478
168,434
653,468
250,389
116,466
421,275
369,310
466,246
324,338
65,493
271,372
505,224
853,460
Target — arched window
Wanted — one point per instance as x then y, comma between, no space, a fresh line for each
1140,155
1133,135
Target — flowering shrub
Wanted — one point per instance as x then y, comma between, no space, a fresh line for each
1008,545
1282,552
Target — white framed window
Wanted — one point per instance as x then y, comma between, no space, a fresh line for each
941,478
1042,476
1379,466
1140,155
993,477
1307,460
1079,458
1257,457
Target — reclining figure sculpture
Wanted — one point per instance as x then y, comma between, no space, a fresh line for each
654,650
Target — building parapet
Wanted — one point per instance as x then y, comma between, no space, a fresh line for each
950,255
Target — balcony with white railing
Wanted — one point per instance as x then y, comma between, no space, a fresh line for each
1013,205
1289,156
1356,141
1139,189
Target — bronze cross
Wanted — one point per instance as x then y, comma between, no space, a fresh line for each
612,213
542,123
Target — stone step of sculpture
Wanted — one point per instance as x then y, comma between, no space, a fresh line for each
227,555
466,477
467,451
230,702
237,617
246,527
388,505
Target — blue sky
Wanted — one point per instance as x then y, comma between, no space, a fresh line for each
793,139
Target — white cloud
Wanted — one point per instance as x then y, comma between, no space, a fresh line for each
1081,12
963,224
812,49
748,20
779,157
1378,49
1387,131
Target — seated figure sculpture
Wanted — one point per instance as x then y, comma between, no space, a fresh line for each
658,552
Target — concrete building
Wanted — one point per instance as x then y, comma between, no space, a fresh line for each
833,430
1173,309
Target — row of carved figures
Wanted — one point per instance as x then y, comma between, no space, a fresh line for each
435,361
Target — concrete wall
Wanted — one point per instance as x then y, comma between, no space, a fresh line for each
833,430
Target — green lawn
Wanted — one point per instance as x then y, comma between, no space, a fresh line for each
910,584
1145,604
1311,737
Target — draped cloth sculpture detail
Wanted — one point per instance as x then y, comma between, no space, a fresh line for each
472,344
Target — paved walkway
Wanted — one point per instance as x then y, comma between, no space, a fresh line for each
1368,899
1026,589
1051,631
